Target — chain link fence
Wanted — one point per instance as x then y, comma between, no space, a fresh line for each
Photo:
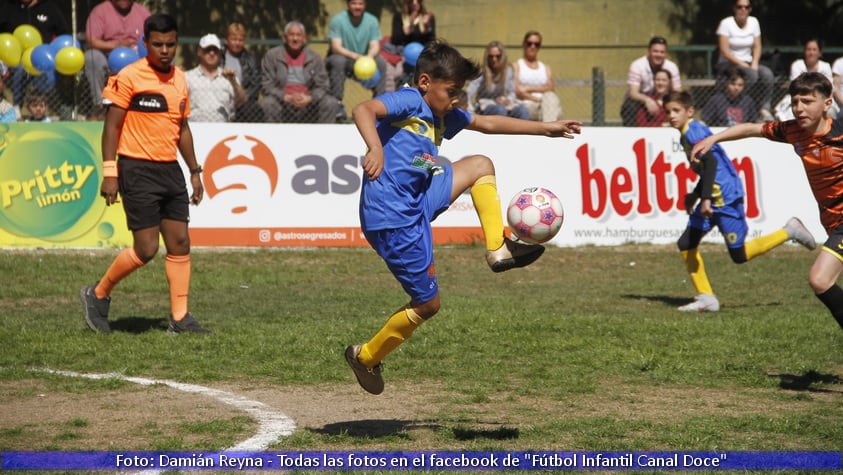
591,93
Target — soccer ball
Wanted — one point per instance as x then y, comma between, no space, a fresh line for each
535,215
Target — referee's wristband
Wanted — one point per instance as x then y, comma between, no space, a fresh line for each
196,171
109,169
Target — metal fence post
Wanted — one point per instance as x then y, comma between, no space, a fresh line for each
598,96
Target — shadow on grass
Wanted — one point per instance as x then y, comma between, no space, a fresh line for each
806,381
372,428
667,300
138,325
502,433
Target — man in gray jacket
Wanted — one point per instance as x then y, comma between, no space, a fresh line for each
294,81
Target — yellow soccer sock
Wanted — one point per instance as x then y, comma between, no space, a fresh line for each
487,203
177,269
762,244
696,269
398,328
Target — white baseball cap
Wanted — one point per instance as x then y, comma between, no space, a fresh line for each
210,40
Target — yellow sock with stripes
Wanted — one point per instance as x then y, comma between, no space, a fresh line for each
762,244
696,269
398,328
487,203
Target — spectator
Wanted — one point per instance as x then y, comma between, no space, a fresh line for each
730,106
493,93
662,86
247,69
810,62
36,104
111,24
8,112
739,43
837,81
352,34
214,91
48,19
414,23
640,82
534,82
295,82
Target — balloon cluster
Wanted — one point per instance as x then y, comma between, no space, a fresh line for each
25,47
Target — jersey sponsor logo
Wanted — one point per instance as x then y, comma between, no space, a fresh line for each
424,161
149,102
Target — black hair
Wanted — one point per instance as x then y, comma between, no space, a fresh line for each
682,97
806,83
657,40
160,22
442,61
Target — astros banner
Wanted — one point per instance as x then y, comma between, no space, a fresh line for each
299,184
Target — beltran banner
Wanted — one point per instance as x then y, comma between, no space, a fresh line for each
299,184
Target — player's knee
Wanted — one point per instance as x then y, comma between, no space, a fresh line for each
818,283
428,309
738,255
146,252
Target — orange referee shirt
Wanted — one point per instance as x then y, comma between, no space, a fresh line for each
822,158
155,103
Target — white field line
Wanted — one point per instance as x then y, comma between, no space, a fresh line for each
271,424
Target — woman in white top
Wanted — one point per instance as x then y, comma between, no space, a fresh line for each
739,43
534,82
811,61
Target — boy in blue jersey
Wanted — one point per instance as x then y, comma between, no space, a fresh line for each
404,189
720,194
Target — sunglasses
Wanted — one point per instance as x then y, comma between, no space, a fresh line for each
537,44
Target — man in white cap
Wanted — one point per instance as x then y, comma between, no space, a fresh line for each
214,91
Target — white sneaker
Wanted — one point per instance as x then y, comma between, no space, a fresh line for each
513,254
799,233
702,303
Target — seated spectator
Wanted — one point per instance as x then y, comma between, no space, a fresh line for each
640,82
352,34
294,81
245,65
493,93
534,82
414,23
739,44
214,91
662,86
810,62
111,24
36,104
730,106
8,112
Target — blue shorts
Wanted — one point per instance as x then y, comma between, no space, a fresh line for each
729,219
408,251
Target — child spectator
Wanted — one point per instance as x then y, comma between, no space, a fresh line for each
36,104
8,113
730,106
662,86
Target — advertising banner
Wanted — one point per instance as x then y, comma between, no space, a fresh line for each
283,185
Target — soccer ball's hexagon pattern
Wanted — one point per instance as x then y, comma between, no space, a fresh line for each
535,215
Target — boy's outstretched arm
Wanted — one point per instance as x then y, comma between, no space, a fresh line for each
365,117
499,124
740,131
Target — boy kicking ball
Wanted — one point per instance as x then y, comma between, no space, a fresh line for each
405,189
720,194
817,139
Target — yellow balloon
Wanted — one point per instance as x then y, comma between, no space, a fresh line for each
69,60
26,60
10,50
364,68
28,35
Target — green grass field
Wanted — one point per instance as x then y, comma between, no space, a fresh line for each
584,350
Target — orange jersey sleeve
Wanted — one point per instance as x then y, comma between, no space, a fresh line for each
156,103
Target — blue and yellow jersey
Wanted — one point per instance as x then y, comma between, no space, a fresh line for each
727,187
411,136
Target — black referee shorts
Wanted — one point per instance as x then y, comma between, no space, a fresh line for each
152,191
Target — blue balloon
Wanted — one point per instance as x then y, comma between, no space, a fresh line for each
372,81
411,52
45,82
141,48
121,57
61,41
43,58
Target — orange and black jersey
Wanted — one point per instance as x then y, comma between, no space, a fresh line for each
822,158
156,103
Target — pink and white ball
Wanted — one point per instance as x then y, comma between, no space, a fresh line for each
535,215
